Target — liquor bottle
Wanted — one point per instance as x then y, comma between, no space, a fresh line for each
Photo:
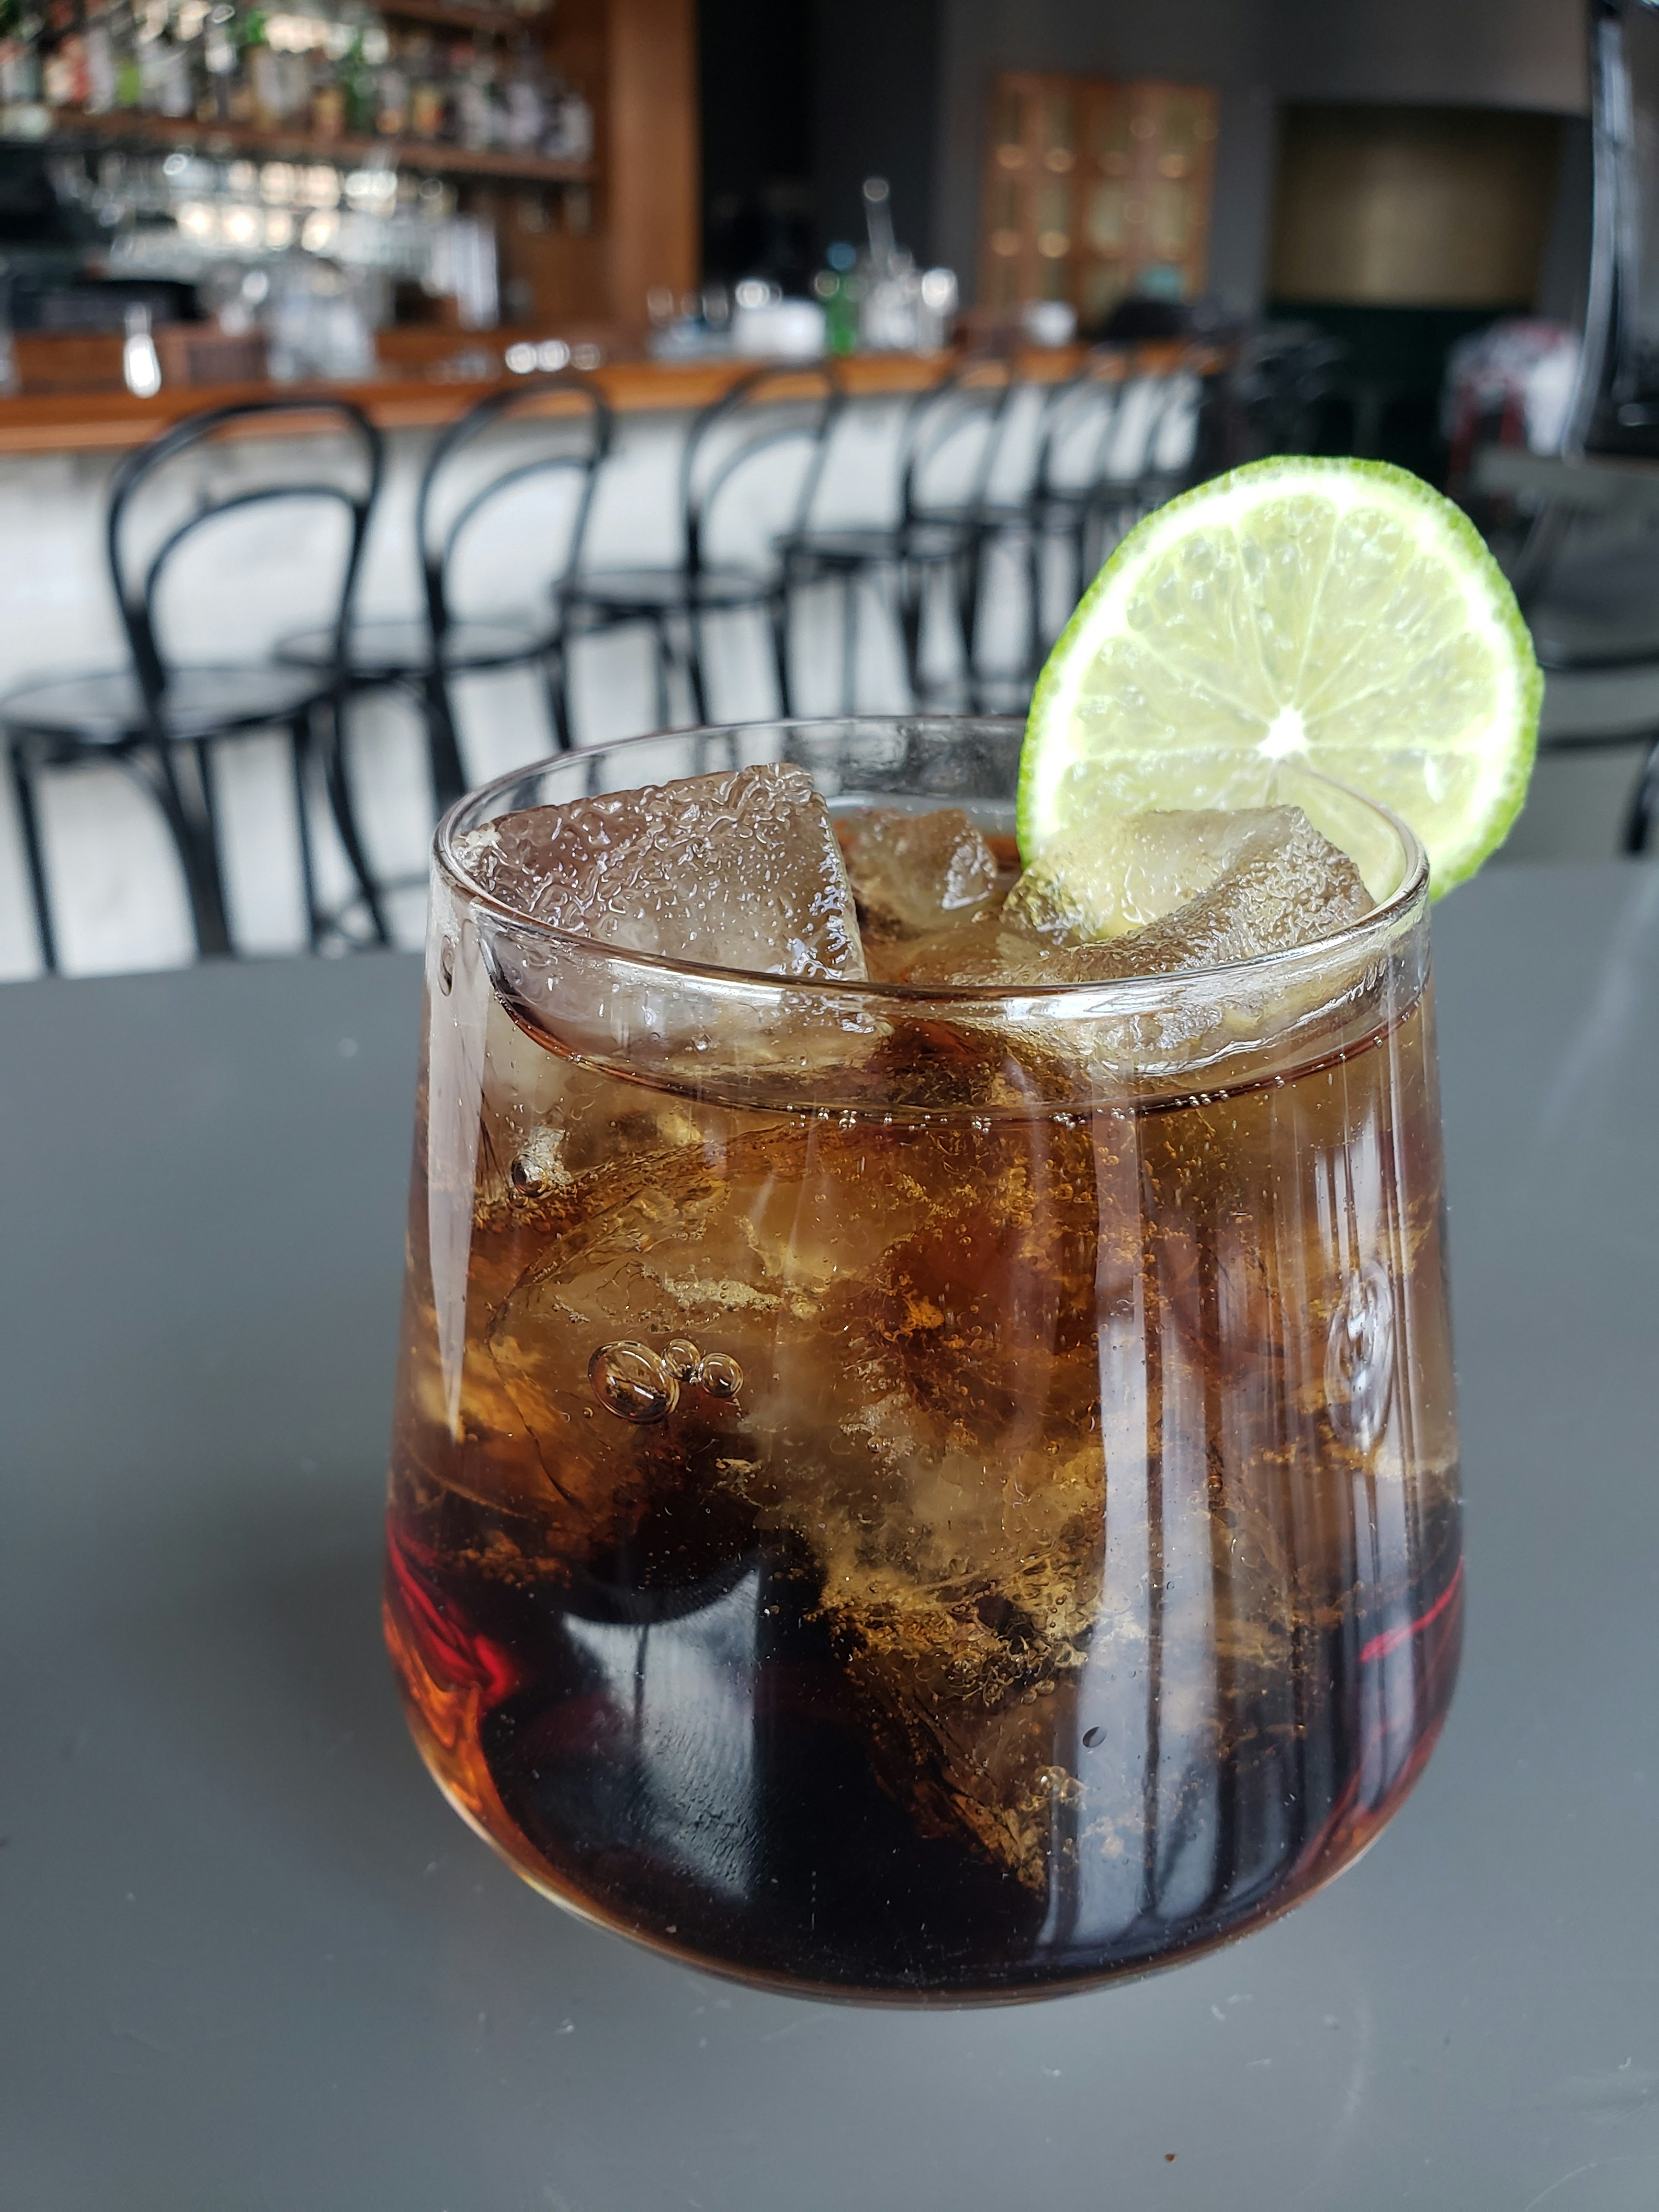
260,85
474,116
326,103
164,66
570,124
839,289
23,111
64,57
101,63
358,72
426,104
123,46
525,121
391,94
215,101
891,289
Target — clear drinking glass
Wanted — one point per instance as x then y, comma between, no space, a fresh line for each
923,1496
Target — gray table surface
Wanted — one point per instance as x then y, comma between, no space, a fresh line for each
253,1964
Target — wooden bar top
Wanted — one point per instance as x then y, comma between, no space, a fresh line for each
91,422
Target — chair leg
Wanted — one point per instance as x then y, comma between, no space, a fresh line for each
443,747
694,667
664,652
299,747
912,584
1035,569
777,616
201,751
558,697
849,640
969,578
345,816
1640,820
22,785
155,766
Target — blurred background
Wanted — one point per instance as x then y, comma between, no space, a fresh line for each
389,394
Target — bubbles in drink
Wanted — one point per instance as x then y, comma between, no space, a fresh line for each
643,1385
718,1375
633,1381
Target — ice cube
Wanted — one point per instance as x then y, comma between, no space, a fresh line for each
1118,875
739,870
913,873
1284,885
1281,885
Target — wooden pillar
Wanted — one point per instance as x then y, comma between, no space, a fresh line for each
652,185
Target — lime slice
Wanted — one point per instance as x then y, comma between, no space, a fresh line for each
1336,615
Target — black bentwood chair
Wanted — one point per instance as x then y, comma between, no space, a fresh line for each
947,451
510,507
1110,444
160,719
741,439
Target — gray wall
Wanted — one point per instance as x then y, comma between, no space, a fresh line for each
875,71
1502,53
1477,53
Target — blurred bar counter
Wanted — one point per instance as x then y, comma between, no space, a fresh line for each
407,398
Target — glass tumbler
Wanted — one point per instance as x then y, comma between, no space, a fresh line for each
923,1496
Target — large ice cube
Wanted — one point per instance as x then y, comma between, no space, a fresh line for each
1116,876
913,873
1281,884
739,870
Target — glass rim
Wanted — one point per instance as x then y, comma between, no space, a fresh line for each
1410,891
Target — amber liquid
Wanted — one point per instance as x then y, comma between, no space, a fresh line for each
1072,1582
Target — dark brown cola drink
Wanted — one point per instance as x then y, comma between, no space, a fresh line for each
942,1514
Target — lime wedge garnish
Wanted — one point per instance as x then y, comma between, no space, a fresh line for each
1336,615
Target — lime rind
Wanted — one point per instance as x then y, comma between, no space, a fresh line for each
1504,755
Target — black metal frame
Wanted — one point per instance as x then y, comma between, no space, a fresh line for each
438,554
928,540
696,589
169,753
1093,511
428,674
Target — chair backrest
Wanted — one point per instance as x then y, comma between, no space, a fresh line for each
1123,425
1077,420
762,416
1282,389
1616,407
951,438
260,472
565,429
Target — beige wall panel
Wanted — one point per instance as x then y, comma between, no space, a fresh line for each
1412,207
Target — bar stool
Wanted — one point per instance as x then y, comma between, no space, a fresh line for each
1114,441
766,412
567,434
947,451
160,718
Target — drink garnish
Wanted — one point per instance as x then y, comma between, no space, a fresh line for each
1336,614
